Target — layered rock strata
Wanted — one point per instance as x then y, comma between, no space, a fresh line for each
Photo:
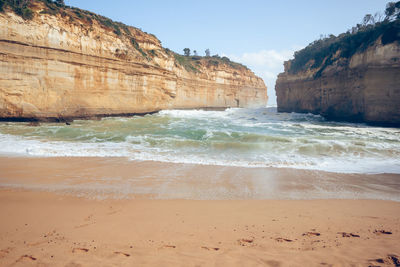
363,88
58,66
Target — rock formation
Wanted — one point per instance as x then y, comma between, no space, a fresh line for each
359,82
65,62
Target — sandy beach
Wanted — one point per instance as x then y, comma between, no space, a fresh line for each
142,133
44,229
54,220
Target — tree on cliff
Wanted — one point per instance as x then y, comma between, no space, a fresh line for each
208,53
195,52
59,2
392,11
186,52
323,52
368,19
21,8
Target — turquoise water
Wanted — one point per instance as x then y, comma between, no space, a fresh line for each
235,137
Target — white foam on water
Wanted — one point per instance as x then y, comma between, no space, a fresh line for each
11,145
234,137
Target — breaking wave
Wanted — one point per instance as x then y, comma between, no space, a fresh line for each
234,137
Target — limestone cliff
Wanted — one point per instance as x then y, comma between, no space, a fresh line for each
68,63
363,86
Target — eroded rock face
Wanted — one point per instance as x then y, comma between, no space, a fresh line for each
52,67
365,88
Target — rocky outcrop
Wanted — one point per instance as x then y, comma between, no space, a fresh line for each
66,65
362,88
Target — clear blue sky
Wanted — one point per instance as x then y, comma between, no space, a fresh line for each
258,33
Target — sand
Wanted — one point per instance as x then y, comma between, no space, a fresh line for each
101,178
45,229
42,228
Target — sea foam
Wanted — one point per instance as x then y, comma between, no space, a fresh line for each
234,137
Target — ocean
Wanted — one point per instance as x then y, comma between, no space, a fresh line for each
248,138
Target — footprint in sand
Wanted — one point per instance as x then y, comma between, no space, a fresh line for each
280,239
84,225
344,234
50,234
36,243
113,211
311,234
169,246
88,218
210,248
26,257
389,260
382,232
122,253
245,241
4,252
75,250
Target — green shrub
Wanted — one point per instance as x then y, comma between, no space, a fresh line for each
126,29
391,35
213,63
137,47
134,43
51,6
18,11
168,51
226,59
153,52
78,13
185,62
48,11
117,30
27,13
106,22
321,53
59,3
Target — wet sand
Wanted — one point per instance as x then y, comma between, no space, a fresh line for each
120,178
52,216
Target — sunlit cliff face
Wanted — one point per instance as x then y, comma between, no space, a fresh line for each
57,66
363,88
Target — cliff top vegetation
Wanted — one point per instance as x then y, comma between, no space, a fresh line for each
323,52
191,62
26,10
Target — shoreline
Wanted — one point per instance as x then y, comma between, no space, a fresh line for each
112,211
46,229
121,178
99,116
91,211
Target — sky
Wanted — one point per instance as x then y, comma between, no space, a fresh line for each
260,34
